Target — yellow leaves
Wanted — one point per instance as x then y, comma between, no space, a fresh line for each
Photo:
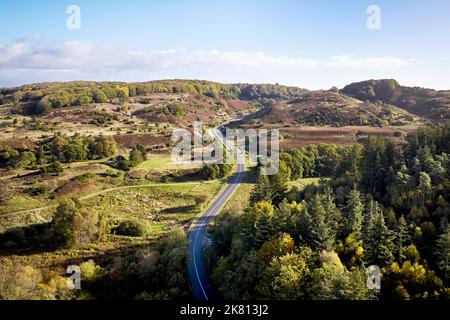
414,272
264,208
395,268
297,207
412,254
89,270
340,248
276,247
287,243
360,251
52,286
351,250
331,257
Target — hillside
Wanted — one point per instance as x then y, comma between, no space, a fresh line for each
326,108
423,102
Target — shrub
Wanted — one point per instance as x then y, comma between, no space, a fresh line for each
90,271
53,168
130,228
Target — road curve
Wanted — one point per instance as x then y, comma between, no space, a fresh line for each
198,276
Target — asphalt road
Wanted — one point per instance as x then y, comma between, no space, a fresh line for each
199,279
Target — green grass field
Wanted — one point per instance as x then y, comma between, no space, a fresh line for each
161,163
21,202
160,207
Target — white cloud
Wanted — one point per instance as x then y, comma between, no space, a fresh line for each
35,54
38,60
346,61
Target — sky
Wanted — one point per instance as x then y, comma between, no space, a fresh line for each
313,44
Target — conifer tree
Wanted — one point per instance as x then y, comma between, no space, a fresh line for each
262,190
354,215
401,237
442,253
379,244
321,234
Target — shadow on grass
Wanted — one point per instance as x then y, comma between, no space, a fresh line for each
180,209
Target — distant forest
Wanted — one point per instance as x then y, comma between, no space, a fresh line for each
43,97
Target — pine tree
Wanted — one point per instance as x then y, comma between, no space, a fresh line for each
303,224
263,213
442,253
354,215
278,187
401,237
372,207
262,190
286,216
333,215
321,234
379,242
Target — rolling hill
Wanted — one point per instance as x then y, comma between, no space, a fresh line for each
327,108
423,102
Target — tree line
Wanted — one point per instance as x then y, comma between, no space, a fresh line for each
41,98
57,149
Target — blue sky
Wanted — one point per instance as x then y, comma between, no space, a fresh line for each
312,44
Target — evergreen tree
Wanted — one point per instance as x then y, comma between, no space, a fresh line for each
442,253
262,190
321,234
332,213
372,207
285,217
401,237
354,215
278,185
262,214
379,242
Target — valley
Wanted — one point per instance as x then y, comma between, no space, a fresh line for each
88,180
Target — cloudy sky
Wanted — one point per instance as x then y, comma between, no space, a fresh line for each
311,44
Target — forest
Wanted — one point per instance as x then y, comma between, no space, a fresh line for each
378,203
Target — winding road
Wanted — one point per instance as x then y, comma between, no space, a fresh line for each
198,276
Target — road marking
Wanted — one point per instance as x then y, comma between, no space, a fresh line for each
209,214
194,252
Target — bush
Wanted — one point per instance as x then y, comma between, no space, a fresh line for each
53,168
175,109
130,228
101,147
216,171
72,225
90,271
